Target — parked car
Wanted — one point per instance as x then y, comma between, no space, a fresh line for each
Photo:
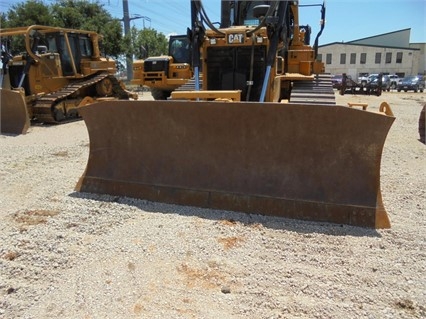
413,82
394,79
373,81
363,79
336,80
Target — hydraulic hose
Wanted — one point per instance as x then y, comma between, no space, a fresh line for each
275,37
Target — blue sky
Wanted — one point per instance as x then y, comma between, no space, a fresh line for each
346,20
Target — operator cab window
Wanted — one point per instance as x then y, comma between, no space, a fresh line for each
51,44
180,50
246,16
85,46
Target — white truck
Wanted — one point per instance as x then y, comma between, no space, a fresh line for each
365,78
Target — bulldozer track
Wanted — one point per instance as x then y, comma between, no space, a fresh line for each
319,91
44,106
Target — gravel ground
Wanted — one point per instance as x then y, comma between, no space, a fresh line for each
73,255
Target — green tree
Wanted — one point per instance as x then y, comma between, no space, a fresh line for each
3,20
113,42
91,16
71,14
87,15
28,13
149,42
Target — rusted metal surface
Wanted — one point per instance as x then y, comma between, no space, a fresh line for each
308,162
14,117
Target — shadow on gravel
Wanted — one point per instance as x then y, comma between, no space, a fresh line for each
279,223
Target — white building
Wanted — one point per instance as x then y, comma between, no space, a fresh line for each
389,53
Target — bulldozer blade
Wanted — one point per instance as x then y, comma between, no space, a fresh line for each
14,117
308,162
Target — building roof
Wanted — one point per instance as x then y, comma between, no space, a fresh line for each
367,45
395,39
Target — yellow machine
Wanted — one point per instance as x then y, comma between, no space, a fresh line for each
262,134
59,71
164,74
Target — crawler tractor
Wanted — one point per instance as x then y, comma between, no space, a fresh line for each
59,71
261,134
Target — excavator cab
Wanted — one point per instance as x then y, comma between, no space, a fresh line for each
261,133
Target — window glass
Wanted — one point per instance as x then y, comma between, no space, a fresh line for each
388,57
378,58
353,58
85,46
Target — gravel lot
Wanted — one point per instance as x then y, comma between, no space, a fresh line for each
72,255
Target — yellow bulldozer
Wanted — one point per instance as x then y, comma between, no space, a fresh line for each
262,134
57,71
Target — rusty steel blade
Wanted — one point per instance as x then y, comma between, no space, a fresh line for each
14,117
308,162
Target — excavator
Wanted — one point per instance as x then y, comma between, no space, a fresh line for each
59,71
261,134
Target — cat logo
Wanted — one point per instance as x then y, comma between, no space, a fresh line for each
235,38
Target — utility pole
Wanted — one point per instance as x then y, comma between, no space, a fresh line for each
147,19
126,20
